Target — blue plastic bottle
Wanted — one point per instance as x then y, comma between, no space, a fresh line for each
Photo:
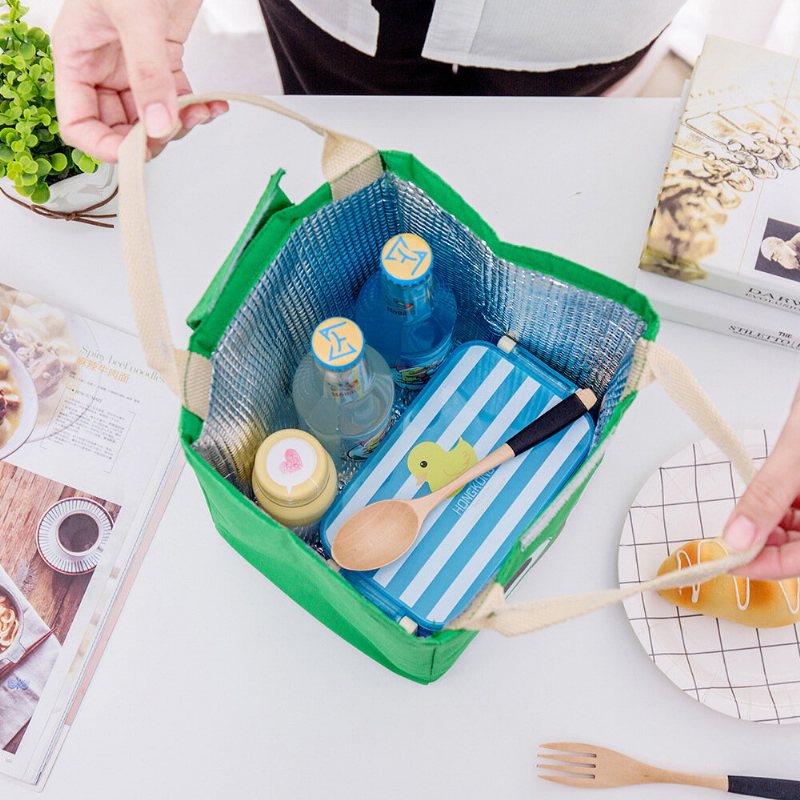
406,314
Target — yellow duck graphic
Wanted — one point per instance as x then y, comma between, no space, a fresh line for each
432,463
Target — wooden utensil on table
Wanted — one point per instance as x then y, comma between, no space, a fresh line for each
9,668
381,532
590,767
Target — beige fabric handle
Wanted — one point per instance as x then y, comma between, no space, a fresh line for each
491,610
348,165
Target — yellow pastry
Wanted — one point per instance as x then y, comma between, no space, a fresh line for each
758,604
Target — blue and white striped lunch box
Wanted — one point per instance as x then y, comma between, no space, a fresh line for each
479,397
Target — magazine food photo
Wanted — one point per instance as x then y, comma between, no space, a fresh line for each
83,459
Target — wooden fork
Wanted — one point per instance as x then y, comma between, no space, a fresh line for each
590,767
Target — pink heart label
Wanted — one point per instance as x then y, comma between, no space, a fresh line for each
291,462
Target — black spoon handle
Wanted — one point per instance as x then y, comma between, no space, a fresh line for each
552,421
779,788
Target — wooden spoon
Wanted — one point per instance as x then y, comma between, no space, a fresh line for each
381,532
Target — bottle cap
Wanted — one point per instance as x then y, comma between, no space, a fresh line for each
294,478
406,258
337,343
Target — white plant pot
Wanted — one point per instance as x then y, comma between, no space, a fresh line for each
77,192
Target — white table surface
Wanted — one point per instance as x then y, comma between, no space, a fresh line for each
217,685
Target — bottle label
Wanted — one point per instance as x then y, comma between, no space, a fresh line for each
291,462
408,301
359,450
346,384
413,374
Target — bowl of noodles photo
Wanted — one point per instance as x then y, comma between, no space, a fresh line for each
19,403
10,627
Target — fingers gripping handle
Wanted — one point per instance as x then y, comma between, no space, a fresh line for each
348,165
491,610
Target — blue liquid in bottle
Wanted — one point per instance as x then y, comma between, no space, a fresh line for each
406,314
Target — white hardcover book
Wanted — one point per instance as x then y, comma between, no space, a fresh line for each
728,212
704,308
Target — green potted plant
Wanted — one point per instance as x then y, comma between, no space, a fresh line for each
34,161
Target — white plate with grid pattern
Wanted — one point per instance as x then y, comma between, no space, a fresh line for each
749,673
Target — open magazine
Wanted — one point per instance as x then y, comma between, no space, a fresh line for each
88,458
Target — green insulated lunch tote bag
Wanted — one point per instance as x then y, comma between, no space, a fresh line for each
296,264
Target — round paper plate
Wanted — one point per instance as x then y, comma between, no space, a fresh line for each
749,673
47,542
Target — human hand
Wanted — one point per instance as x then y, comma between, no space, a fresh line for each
119,61
769,510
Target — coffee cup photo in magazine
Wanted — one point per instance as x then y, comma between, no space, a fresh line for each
53,538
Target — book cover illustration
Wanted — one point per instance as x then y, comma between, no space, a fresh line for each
728,215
